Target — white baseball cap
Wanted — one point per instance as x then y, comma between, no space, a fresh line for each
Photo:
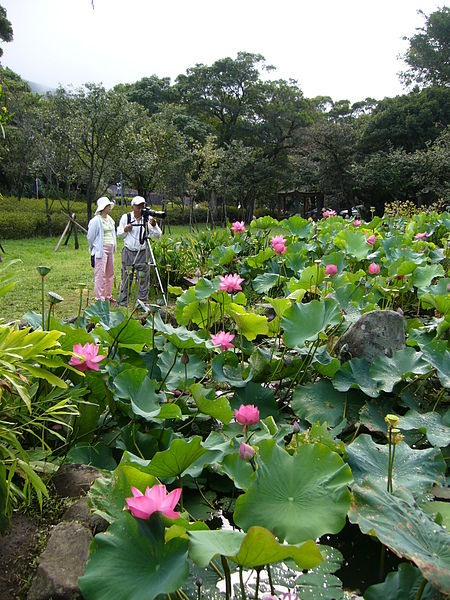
137,200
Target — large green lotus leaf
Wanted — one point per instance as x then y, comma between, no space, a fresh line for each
238,470
405,268
415,470
386,372
298,497
266,281
405,529
223,255
402,585
255,549
264,223
372,414
135,385
226,368
356,374
180,337
132,561
438,355
257,261
279,305
319,401
440,288
423,276
129,334
204,289
304,322
324,364
354,242
429,424
249,325
439,511
262,397
192,306
107,494
175,372
299,226
186,306
208,404
308,278
176,461
97,455
100,313
440,303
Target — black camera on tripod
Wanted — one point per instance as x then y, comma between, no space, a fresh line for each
156,214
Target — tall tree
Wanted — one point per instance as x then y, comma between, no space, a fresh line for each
428,55
17,153
224,94
150,92
98,121
6,30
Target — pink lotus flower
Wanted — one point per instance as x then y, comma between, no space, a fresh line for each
246,452
230,283
246,415
371,240
89,357
223,340
278,244
239,227
155,499
374,269
329,213
420,236
356,223
331,270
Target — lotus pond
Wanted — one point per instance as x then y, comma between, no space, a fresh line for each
243,457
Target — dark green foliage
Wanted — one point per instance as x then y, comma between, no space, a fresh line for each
408,121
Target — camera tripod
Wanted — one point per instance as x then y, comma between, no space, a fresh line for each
149,257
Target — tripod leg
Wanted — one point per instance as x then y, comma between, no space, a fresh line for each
153,264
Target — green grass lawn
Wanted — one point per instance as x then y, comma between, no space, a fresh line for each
69,267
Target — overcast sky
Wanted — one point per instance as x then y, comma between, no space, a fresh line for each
345,49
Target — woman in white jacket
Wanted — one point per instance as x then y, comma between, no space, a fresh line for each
101,237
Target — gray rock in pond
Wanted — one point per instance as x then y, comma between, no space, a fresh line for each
72,480
80,512
62,562
376,333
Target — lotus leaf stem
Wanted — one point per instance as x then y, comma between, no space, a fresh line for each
241,583
227,573
421,589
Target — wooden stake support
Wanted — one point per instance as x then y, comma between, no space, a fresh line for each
68,230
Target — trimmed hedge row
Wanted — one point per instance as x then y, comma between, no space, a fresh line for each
27,217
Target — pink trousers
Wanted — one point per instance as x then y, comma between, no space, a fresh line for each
104,274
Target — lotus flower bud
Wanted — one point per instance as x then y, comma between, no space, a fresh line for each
246,452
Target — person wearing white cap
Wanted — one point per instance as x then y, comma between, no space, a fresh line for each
134,253
101,237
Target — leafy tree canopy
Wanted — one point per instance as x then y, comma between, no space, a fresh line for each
428,55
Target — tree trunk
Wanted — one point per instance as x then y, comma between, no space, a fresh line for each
213,205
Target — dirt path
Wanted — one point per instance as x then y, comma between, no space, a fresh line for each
16,551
